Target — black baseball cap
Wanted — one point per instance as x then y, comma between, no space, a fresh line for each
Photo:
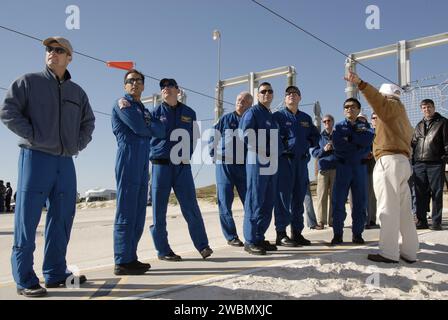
293,89
166,82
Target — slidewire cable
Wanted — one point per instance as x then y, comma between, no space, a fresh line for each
320,40
105,62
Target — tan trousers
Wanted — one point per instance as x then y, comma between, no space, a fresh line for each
390,181
325,181
371,200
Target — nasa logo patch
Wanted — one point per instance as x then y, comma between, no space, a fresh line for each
185,119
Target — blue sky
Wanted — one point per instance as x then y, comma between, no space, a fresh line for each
174,39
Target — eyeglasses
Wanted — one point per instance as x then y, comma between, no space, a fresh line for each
134,80
58,50
168,86
270,91
292,93
325,121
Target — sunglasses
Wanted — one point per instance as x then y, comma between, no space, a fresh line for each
270,91
134,80
58,50
168,86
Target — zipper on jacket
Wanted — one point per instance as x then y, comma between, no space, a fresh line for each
60,116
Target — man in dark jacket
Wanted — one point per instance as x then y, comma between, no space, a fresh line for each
430,146
2,196
52,116
8,196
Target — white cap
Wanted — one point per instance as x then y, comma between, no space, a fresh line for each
389,89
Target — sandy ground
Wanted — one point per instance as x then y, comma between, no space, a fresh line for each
339,276
344,273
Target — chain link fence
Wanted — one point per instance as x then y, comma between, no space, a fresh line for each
413,95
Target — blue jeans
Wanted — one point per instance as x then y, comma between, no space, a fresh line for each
429,177
311,220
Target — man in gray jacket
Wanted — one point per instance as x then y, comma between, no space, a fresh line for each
52,116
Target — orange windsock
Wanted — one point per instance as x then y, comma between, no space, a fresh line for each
125,65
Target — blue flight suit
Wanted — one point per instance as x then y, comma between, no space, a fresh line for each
133,127
228,153
167,175
261,188
351,144
298,134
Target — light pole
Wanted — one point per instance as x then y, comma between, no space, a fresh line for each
219,110
217,36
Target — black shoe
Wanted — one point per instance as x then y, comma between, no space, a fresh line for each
137,265
407,260
254,249
63,283
235,242
283,240
420,225
380,258
170,257
132,268
34,292
268,246
142,265
300,240
337,240
436,227
373,225
358,240
206,252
